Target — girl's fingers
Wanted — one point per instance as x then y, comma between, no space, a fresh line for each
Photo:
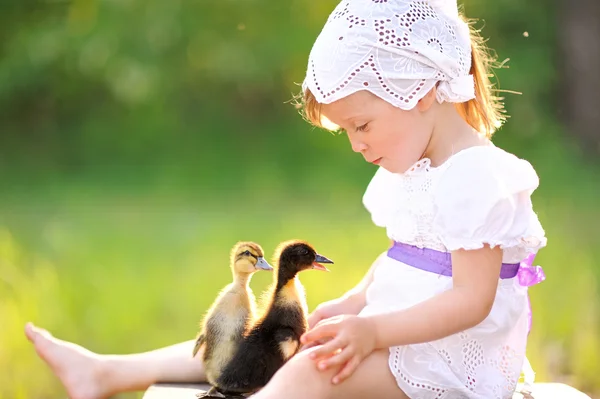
307,346
314,318
321,331
331,320
347,371
337,360
315,343
328,348
318,317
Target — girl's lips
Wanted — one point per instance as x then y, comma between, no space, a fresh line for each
377,161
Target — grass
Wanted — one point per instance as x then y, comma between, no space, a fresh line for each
121,272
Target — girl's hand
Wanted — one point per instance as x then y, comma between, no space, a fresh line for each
324,311
349,305
352,338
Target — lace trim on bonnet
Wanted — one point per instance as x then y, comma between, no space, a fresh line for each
398,50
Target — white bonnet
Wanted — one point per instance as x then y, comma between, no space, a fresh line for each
396,49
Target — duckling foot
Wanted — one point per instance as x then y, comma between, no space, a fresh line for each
214,393
211,393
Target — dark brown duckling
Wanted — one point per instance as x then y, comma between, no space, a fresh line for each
232,312
275,337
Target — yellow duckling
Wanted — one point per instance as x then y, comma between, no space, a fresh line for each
232,312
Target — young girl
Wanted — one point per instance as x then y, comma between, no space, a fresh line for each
443,313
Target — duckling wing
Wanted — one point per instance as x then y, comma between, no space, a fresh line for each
200,341
226,320
288,342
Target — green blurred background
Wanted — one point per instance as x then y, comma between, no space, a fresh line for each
141,139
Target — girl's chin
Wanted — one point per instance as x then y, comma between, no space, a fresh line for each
389,166
395,168
392,170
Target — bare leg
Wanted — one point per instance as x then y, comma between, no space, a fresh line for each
87,375
300,379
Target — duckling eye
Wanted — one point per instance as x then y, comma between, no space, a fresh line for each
247,253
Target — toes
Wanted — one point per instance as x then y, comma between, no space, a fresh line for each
29,331
33,332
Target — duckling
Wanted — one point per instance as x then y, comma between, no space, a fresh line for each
232,312
275,337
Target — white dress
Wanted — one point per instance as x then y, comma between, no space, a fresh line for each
479,195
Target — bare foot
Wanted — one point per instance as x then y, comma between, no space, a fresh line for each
79,370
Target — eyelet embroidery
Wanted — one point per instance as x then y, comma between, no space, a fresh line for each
363,38
423,165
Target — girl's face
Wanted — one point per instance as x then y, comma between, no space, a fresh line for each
385,135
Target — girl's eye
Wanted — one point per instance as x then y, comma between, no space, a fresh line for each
362,128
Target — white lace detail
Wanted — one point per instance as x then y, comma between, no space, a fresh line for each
396,49
472,362
507,361
417,196
410,216
463,366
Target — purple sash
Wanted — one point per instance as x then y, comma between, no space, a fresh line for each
439,262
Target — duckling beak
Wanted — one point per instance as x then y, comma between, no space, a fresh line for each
262,264
321,259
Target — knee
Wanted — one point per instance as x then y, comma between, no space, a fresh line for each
301,366
301,373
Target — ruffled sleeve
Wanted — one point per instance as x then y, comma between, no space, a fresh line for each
484,197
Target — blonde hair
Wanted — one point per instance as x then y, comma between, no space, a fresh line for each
485,112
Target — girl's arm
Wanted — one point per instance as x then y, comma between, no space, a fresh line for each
352,302
475,281
357,295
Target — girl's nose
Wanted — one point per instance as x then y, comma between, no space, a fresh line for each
357,145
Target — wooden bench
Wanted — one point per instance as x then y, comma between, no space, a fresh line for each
541,391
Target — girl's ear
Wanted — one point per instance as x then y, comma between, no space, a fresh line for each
426,102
